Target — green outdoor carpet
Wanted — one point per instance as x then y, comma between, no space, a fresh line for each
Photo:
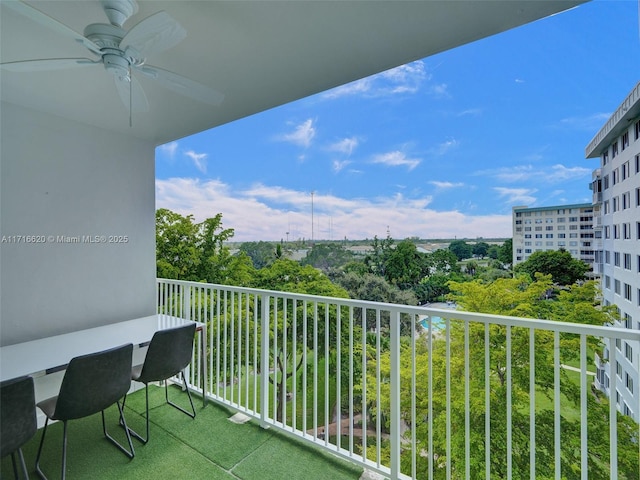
207,447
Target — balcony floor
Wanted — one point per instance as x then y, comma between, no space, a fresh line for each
207,447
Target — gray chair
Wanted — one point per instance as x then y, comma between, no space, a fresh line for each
169,353
90,384
18,422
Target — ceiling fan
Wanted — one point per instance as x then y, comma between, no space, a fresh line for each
121,52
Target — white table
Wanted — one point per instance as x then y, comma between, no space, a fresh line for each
52,354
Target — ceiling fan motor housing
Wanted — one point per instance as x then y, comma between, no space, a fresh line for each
108,38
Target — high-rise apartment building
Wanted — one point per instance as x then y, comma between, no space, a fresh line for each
616,190
568,227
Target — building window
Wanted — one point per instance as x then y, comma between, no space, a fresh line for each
561,235
624,140
637,129
626,200
619,344
637,162
616,204
614,149
626,231
616,259
616,286
616,231
573,227
629,382
627,261
605,157
626,173
627,291
628,351
607,257
638,197
573,219
619,370
615,176
549,229
605,182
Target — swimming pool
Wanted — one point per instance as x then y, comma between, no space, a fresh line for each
437,323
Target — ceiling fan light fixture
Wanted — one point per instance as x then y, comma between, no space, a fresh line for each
117,65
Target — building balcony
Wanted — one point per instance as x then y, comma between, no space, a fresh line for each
333,387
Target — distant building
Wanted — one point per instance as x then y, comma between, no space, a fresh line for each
568,227
616,190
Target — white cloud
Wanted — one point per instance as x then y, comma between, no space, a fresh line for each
557,173
338,165
302,134
470,112
517,196
169,149
346,145
404,79
591,123
561,173
265,212
199,160
446,185
444,147
396,159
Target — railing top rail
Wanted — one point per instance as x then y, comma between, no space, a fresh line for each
537,324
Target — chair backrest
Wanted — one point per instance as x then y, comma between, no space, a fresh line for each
93,382
17,413
169,353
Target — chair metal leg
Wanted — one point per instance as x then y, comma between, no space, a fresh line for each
64,451
132,432
22,464
38,469
192,414
129,453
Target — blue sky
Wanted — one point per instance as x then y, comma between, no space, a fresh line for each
439,148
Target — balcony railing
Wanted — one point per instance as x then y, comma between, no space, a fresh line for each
411,392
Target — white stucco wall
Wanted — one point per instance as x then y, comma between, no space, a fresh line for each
63,179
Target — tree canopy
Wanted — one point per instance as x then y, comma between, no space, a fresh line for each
563,268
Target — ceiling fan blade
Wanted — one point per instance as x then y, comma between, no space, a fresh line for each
46,64
154,34
51,23
182,85
132,95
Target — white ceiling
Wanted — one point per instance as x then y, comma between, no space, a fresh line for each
258,54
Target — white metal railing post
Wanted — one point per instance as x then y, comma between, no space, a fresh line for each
264,361
394,345
186,302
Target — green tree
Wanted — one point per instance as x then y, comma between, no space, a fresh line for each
261,253
461,249
563,268
376,260
505,253
480,249
327,255
177,253
403,265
